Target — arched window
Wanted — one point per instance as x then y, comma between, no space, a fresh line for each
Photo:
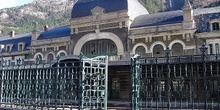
50,57
158,51
141,51
99,47
177,49
62,54
38,58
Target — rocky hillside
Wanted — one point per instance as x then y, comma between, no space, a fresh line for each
45,12
154,6
57,12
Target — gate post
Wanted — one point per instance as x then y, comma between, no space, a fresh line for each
167,51
80,83
135,82
203,50
218,77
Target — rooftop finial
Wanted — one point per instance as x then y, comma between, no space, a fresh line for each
187,4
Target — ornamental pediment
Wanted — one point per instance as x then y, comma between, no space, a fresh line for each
97,10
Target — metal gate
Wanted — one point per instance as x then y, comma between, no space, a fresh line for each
94,83
58,85
183,82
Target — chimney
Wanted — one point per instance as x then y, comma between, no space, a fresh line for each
45,27
35,32
12,33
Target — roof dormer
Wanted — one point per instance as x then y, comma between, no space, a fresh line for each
21,46
214,25
8,47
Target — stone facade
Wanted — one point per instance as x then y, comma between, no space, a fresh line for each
130,31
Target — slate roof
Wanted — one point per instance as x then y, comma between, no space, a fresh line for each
55,33
82,7
203,16
156,19
26,38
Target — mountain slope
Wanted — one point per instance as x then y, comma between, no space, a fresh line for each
20,19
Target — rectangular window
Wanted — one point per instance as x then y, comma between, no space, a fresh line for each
9,62
20,47
217,48
215,26
8,49
210,49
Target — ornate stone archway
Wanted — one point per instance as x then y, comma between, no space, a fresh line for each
102,35
137,45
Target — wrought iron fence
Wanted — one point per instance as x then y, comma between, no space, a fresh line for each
58,85
184,82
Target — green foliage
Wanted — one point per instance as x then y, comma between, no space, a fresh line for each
24,23
154,6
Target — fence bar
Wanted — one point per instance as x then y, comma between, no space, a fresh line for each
135,82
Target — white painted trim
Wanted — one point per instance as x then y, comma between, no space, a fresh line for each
137,45
177,41
102,35
157,43
62,51
39,53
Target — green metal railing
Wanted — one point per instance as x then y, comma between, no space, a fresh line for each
94,83
58,85
135,82
183,82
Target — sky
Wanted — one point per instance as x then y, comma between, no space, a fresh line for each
12,3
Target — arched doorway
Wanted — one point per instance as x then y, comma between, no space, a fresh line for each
141,51
50,58
99,47
102,36
177,49
38,58
158,51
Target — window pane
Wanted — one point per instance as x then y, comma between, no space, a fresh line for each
99,47
215,26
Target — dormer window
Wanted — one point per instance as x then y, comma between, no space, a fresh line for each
1,47
9,47
215,26
21,46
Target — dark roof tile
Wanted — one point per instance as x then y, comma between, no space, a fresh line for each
156,19
82,7
26,38
55,33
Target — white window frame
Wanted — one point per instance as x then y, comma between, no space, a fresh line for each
7,61
23,45
214,21
19,57
10,47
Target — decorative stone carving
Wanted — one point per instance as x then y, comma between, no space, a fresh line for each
96,12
